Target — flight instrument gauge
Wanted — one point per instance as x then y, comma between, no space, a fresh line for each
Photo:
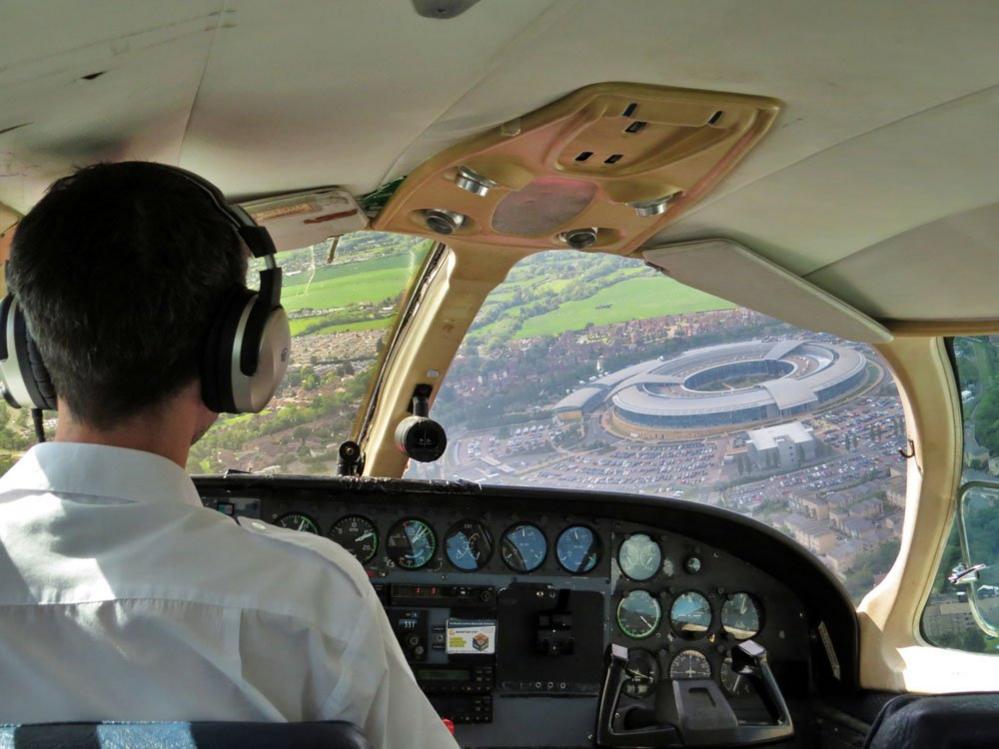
642,672
411,544
524,547
735,683
357,535
669,569
690,614
639,556
578,549
638,614
690,664
469,545
740,616
298,521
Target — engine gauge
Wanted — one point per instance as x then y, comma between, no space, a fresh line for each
298,521
578,549
524,547
639,556
638,614
690,614
692,564
411,544
740,616
734,683
357,535
690,664
642,672
468,545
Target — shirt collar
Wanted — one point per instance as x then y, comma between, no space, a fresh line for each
99,470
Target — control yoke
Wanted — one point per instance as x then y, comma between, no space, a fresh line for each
705,717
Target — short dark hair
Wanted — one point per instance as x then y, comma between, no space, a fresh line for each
120,270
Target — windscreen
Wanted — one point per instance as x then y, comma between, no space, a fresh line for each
595,372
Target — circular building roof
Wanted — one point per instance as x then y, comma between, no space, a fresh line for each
730,383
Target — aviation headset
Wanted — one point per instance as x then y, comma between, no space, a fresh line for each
245,354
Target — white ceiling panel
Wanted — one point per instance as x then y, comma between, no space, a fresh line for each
307,93
889,121
148,59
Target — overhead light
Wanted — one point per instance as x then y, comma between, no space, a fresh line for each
473,182
579,239
655,207
443,221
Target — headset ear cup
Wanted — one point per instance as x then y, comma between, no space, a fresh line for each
271,344
40,376
216,361
26,380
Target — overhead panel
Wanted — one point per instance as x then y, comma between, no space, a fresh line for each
604,168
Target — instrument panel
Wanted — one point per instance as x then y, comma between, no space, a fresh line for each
536,592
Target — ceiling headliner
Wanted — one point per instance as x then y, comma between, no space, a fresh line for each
889,122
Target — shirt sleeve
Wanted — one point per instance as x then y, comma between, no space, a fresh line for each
376,690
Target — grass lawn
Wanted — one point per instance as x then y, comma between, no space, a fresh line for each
634,299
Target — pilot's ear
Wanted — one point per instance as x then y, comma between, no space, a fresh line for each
204,418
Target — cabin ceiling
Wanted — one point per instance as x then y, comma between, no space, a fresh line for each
889,122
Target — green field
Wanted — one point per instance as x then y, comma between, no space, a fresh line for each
620,290
633,299
300,324
339,285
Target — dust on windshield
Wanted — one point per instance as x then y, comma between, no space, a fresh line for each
341,313
595,372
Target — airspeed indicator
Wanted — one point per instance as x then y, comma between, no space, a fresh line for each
357,535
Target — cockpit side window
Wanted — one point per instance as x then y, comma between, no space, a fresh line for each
962,611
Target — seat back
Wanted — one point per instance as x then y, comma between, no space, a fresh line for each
950,721
180,735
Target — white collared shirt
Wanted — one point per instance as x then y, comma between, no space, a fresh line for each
122,598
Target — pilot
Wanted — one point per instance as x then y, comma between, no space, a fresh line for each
121,597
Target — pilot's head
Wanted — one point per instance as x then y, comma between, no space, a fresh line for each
120,270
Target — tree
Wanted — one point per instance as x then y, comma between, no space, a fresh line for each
986,419
973,641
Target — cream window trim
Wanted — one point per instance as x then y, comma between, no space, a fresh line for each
425,350
894,655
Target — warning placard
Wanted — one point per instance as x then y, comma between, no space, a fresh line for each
471,637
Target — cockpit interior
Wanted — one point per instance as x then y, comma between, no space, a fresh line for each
644,354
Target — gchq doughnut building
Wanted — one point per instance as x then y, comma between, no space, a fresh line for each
723,386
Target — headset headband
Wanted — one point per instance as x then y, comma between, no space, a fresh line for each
257,238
